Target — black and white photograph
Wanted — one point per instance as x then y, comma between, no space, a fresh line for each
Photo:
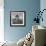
17,18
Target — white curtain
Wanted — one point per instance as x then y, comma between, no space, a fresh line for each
1,20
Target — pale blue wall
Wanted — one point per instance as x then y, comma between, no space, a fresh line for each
30,6
43,6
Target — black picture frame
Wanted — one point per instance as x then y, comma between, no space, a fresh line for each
17,18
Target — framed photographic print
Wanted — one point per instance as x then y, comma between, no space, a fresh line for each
17,18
